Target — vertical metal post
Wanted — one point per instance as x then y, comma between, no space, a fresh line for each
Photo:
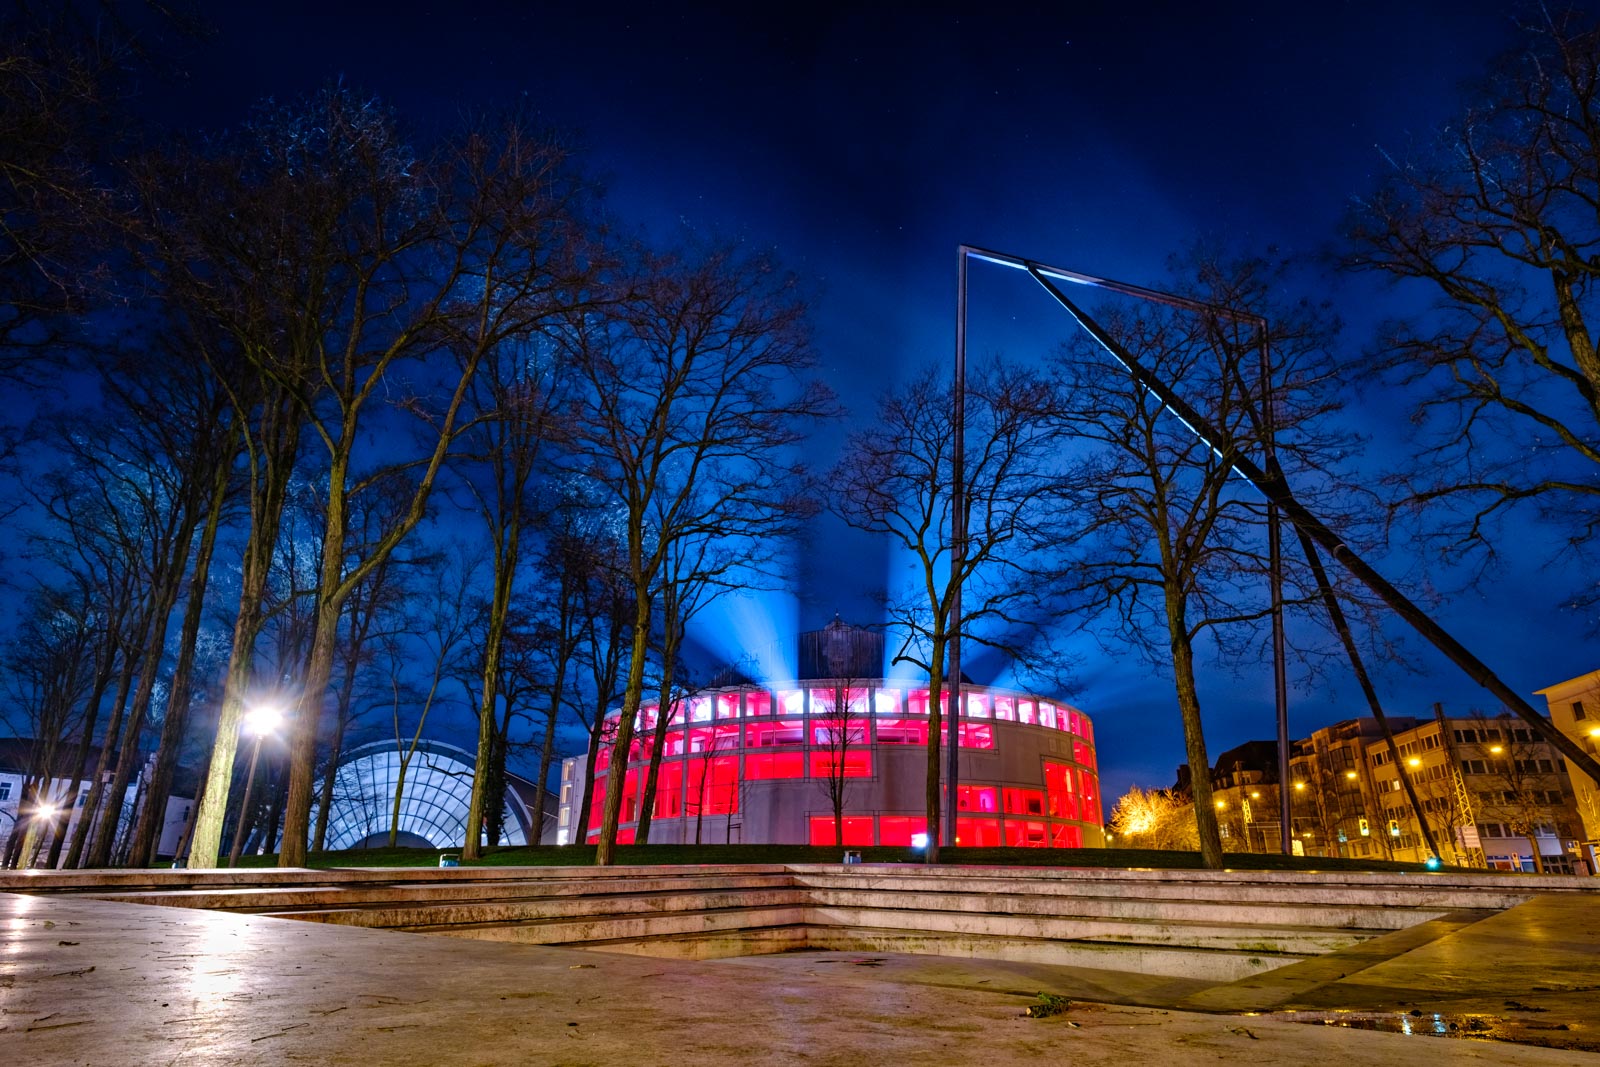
958,549
244,807
1280,682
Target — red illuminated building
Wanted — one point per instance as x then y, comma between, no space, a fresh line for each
757,763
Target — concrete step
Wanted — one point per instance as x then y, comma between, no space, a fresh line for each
620,905
1211,965
1396,895
1232,937
977,901
582,931
364,894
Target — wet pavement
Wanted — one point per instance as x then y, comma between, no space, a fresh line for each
86,981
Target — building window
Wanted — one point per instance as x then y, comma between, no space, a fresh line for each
1577,710
857,830
5,790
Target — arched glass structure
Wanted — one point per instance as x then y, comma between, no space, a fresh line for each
433,809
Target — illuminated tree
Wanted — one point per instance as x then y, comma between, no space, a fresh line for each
1496,220
838,728
895,479
1154,818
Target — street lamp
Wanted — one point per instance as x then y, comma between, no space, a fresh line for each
258,722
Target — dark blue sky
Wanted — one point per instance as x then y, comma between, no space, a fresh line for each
864,146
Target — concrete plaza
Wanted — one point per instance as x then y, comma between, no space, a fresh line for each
85,980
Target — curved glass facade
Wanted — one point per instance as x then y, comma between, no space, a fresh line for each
763,765
433,809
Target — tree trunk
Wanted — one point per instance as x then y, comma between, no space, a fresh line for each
494,637
1538,860
303,733
1205,812
933,797
617,776
169,584
97,784
658,736
399,793
146,834
280,440
336,747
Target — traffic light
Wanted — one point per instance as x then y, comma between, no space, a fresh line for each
1365,830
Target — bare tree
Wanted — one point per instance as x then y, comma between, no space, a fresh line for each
47,671
434,641
1496,220
838,729
607,611
696,398
520,392
895,480
1526,791
1167,546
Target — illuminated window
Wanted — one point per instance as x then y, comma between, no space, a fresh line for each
917,702
1005,709
899,829
1024,802
978,705
1083,753
779,732
774,765
1064,836
857,763
903,731
857,830
700,709
792,701
672,744
886,702
975,832
1060,792
976,798
1026,712
758,702
669,792
834,733
1089,789
1085,728
728,706
1021,834
647,717
716,792
821,703
1047,715
976,736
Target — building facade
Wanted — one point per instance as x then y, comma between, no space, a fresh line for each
1575,709
66,796
1491,790
763,763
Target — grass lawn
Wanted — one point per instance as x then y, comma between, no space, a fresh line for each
583,855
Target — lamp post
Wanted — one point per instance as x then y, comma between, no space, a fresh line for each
259,722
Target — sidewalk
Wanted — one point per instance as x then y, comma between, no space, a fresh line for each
96,982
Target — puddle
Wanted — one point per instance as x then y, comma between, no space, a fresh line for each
1444,1024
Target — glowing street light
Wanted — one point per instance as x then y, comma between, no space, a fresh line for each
1496,749
1350,775
1414,761
1299,785
258,723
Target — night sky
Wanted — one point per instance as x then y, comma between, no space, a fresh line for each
864,147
